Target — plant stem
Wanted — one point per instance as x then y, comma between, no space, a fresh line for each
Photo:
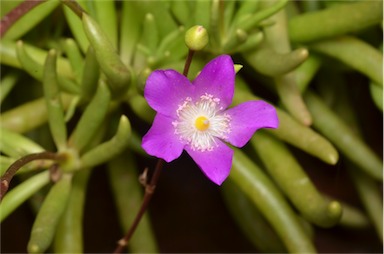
11,17
11,171
149,190
188,62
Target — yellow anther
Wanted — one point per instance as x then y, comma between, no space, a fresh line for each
202,123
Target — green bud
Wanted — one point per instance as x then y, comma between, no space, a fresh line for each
196,38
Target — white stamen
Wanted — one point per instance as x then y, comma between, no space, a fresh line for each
208,107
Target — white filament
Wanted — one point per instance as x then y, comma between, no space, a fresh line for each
185,125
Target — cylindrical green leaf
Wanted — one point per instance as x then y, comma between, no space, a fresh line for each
183,11
107,18
25,117
372,199
8,56
245,10
276,39
140,106
331,126
76,27
69,235
169,47
90,75
202,13
254,19
16,145
130,31
28,115
295,183
252,42
91,119
7,83
135,144
30,20
377,95
250,220
338,20
353,217
306,71
109,149
354,53
293,132
257,186
128,195
75,58
21,193
271,63
5,163
45,225
53,102
36,69
216,25
117,73
32,67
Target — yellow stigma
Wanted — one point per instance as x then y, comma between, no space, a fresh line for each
202,123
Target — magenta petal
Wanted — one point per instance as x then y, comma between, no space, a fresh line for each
215,164
218,79
160,140
166,90
248,117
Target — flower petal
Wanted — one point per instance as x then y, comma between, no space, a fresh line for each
248,117
165,91
161,141
218,79
215,164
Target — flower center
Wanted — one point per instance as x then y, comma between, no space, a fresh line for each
200,123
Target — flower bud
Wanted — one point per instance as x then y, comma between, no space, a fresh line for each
196,38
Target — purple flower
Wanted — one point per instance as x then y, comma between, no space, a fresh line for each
194,117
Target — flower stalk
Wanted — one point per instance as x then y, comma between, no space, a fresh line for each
149,188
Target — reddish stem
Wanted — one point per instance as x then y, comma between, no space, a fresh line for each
11,171
149,190
11,17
